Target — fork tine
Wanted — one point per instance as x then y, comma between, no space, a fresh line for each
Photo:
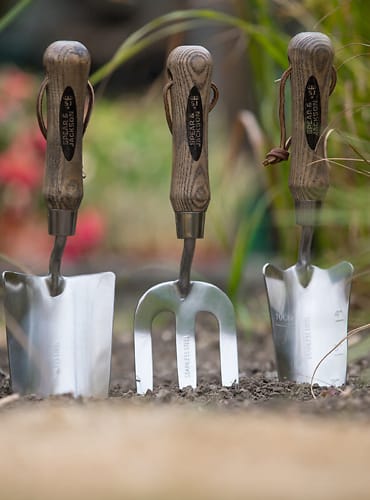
185,350
216,302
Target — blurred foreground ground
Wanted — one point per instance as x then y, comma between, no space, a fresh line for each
114,452
261,440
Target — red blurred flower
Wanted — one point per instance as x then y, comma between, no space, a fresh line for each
20,170
16,84
90,232
38,142
31,141
15,87
24,238
22,163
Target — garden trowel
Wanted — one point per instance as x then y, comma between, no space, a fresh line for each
59,329
187,103
309,305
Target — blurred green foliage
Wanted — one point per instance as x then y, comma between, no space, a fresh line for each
128,145
344,230
127,164
267,27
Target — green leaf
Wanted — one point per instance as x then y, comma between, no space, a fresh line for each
9,17
243,242
177,21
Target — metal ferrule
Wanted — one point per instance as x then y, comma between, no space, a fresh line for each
190,224
307,212
62,222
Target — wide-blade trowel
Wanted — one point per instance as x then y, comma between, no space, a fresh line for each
59,329
309,305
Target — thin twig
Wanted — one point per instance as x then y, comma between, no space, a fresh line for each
351,44
14,263
360,274
338,158
351,146
9,399
323,18
333,161
350,334
351,59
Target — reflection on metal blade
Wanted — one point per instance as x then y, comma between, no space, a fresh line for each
60,344
308,321
202,297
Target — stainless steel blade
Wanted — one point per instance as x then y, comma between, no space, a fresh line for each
202,297
308,321
60,344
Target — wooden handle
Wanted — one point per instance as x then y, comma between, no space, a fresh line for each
311,58
190,70
67,65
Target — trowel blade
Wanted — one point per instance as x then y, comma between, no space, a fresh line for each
60,344
308,321
202,297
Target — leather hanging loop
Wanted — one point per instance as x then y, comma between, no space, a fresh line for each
333,80
280,153
166,102
215,96
167,106
40,117
40,98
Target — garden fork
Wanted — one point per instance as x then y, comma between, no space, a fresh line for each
189,69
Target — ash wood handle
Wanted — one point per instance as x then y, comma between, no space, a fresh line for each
67,65
189,69
311,58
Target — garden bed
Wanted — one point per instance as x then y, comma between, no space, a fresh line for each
263,439
258,389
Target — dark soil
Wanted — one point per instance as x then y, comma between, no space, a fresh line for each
258,389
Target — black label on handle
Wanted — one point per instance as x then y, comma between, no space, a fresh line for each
312,112
68,123
194,123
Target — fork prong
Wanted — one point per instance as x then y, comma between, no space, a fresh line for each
216,302
208,298
143,360
185,350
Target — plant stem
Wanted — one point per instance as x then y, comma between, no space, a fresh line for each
13,13
180,20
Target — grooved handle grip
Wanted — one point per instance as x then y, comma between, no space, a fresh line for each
67,65
311,58
190,70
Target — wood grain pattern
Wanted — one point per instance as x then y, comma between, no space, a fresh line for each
67,65
189,67
310,55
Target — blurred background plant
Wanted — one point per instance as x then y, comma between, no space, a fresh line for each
22,152
126,222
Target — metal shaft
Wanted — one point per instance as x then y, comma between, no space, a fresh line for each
303,267
304,253
56,284
183,282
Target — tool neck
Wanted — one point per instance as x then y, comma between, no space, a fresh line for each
304,268
62,222
183,283
307,212
190,224
55,279
305,246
